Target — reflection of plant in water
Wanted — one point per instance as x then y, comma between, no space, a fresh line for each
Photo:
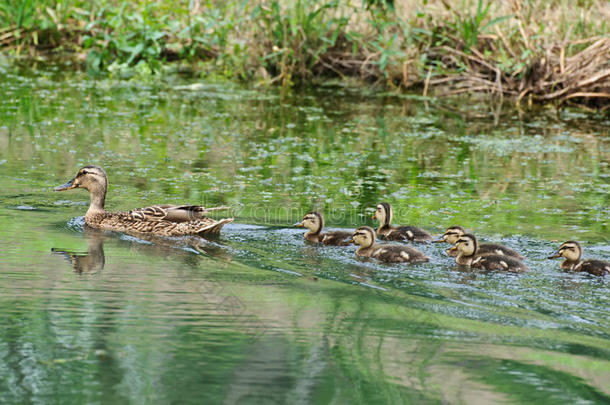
221,299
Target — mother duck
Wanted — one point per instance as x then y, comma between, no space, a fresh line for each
163,220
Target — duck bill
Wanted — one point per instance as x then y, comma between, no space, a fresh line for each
68,186
555,256
299,225
373,216
438,241
351,241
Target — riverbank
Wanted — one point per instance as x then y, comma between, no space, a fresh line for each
533,52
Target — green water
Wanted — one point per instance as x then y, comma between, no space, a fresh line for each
257,316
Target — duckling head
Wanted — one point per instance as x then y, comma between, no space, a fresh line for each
452,234
383,213
571,250
466,244
364,236
312,221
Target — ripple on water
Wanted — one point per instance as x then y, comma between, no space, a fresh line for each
257,310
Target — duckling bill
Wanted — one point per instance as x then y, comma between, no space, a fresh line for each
365,237
572,252
162,220
453,233
383,213
314,221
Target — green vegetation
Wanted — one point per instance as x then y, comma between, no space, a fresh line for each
539,50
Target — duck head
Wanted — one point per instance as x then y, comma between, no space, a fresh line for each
383,213
466,245
452,234
312,221
571,250
90,177
364,236
93,179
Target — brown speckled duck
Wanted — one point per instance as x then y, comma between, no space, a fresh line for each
162,220
314,221
467,256
383,213
365,237
572,252
453,233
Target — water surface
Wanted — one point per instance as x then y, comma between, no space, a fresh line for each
259,316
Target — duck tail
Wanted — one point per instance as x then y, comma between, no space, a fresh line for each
215,227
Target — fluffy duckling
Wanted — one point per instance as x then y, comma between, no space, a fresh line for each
453,233
365,237
383,213
314,221
466,246
572,252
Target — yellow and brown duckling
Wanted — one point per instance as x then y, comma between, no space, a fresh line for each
572,252
466,247
383,213
162,220
453,233
365,237
314,221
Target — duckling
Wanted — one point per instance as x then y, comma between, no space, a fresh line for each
453,233
314,221
572,251
383,213
466,246
365,237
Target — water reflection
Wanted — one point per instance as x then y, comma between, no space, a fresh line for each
90,262
184,248
240,317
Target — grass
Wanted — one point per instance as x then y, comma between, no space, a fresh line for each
530,50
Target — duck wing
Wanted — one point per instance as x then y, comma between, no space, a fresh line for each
336,238
595,267
499,262
172,213
494,248
123,222
399,254
409,233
